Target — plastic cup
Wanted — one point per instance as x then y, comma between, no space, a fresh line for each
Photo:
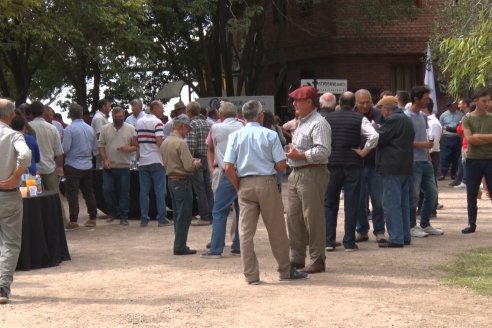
23,191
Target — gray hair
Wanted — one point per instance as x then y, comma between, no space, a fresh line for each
7,107
136,102
75,111
361,92
194,108
228,109
251,110
328,99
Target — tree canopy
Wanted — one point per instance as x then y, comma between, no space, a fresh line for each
463,43
131,48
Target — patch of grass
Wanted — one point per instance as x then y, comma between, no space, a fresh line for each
473,269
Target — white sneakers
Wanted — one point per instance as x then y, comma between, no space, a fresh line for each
461,185
419,232
433,231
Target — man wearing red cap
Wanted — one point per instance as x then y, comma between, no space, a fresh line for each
308,157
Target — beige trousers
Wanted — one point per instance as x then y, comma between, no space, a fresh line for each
305,213
260,195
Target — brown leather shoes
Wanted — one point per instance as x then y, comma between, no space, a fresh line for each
315,267
297,265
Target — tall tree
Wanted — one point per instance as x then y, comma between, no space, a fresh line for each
463,44
23,47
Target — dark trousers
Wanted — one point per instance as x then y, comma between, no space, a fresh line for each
348,178
450,154
182,197
202,188
79,179
475,170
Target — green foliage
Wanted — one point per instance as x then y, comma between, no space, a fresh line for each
15,8
463,45
473,269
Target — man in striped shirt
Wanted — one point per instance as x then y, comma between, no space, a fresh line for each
149,136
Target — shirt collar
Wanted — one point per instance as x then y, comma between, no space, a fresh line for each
307,117
252,124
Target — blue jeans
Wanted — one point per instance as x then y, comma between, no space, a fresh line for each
450,153
422,180
475,170
372,185
349,179
202,188
182,197
225,195
396,208
152,175
116,182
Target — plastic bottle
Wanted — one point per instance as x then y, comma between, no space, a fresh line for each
39,184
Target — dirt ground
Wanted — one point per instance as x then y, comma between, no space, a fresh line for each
127,277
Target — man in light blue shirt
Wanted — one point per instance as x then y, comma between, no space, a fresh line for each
253,156
137,112
79,144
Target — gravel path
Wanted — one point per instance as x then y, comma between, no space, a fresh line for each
127,277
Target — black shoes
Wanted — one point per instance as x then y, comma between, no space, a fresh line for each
468,230
4,297
188,251
294,275
389,244
350,247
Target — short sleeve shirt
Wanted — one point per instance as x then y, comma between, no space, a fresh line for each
482,125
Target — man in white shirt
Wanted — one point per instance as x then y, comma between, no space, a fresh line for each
151,170
99,120
51,165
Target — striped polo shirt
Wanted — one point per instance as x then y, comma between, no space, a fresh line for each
148,128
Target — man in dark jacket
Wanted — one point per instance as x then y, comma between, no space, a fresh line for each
345,165
394,162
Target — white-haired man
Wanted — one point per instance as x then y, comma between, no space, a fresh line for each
327,103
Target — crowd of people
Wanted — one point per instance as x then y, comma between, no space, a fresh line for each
383,160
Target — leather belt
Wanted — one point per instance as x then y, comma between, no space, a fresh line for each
307,166
9,190
178,177
257,176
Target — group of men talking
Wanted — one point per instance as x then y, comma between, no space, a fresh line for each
381,152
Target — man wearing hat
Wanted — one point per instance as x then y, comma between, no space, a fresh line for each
308,156
180,166
394,162
451,141
345,165
179,108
